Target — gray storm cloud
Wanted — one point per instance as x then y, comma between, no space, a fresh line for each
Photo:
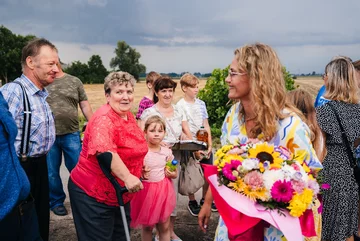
294,28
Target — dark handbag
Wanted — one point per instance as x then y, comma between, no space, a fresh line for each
353,162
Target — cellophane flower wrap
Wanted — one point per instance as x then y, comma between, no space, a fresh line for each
270,175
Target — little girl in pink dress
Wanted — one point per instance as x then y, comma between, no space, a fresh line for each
153,205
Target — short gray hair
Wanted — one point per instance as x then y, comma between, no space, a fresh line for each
118,78
32,48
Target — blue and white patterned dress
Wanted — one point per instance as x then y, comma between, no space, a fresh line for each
292,133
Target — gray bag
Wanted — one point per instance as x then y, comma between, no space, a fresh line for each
191,177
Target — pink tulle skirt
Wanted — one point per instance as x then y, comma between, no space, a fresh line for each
153,204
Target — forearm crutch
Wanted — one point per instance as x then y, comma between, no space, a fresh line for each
104,160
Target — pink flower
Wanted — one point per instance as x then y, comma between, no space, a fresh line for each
282,191
313,185
254,179
285,154
325,186
298,185
296,167
229,168
236,150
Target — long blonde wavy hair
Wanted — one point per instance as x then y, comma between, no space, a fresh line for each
267,87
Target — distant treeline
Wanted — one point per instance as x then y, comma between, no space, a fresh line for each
308,74
178,75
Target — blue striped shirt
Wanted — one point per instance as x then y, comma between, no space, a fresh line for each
42,131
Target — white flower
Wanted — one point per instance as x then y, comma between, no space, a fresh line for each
250,164
289,171
271,176
305,176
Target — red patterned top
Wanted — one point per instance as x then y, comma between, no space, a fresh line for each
107,131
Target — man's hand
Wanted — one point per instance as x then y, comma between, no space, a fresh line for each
132,183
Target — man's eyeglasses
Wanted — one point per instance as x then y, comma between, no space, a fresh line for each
233,73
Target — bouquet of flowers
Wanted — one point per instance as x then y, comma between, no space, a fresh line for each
272,176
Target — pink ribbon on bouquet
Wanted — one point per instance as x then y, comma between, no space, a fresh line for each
293,228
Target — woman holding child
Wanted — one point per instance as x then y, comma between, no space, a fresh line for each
262,112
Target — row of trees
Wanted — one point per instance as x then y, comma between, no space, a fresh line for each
93,72
197,74
10,54
126,59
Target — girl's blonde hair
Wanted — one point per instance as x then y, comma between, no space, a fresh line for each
267,85
341,83
154,119
304,102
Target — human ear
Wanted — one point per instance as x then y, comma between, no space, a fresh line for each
107,96
30,62
149,85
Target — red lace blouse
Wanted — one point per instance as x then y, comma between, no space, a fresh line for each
107,131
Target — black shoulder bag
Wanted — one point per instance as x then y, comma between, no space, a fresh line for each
352,159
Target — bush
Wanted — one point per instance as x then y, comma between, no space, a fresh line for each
215,95
289,80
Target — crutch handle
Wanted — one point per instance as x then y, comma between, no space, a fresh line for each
104,160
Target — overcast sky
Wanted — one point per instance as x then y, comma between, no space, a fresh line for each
190,35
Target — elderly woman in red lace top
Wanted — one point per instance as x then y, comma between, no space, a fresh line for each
111,129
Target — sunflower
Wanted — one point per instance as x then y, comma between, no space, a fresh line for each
265,152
